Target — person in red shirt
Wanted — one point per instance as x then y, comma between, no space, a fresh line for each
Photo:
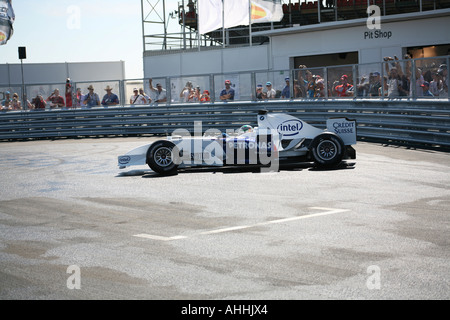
345,89
56,101
68,93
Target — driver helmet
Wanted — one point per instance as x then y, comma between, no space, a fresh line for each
245,129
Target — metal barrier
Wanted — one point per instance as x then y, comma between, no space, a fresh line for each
422,123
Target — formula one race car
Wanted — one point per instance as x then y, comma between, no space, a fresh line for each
278,137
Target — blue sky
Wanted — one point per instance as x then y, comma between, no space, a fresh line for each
78,31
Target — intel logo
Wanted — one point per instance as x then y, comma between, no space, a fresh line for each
124,160
290,127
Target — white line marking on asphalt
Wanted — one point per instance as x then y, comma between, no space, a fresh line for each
327,211
160,238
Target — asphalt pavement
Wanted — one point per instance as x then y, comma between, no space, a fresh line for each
74,226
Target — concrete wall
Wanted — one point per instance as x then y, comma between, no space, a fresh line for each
207,61
396,34
372,45
42,73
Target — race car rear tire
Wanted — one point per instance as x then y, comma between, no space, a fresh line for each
160,157
327,150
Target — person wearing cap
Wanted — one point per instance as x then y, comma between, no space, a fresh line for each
186,92
91,99
286,92
56,100
6,103
160,92
110,98
374,84
137,98
205,96
227,94
426,89
345,89
270,93
260,95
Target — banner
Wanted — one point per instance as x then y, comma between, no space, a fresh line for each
236,13
6,21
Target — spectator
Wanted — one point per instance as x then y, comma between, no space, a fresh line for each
310,84
227,94
186,92
56,100
304,84
142,93
260,95
443,72
270,93
435,84
69,102
161,94
374,84
299,90
205,96
137,98
195,95
91,99
78,98
345,89
6,103
38,103
362,88
110,98
320,88
397,82
16,104
419,81
286,92
426,89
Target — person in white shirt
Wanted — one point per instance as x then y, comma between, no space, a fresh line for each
137,98
159,92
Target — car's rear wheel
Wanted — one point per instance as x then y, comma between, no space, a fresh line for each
160,157
327,150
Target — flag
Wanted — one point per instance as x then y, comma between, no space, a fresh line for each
236,13
266,11
6,21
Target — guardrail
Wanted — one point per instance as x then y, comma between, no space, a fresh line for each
422,123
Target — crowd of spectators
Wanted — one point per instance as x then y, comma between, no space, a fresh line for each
394,79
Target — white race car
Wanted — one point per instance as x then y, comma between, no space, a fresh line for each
278,137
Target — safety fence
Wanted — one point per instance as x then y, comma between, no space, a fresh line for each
422,123
392,78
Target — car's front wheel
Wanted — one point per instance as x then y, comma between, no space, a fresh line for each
327,150
160,157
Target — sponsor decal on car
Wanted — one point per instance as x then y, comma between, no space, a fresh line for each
290,127
124,159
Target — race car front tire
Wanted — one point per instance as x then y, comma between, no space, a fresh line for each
327,150
160,157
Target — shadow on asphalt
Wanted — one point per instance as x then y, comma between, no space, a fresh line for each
236,169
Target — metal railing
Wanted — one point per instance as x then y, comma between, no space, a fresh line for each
383,114
418,122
